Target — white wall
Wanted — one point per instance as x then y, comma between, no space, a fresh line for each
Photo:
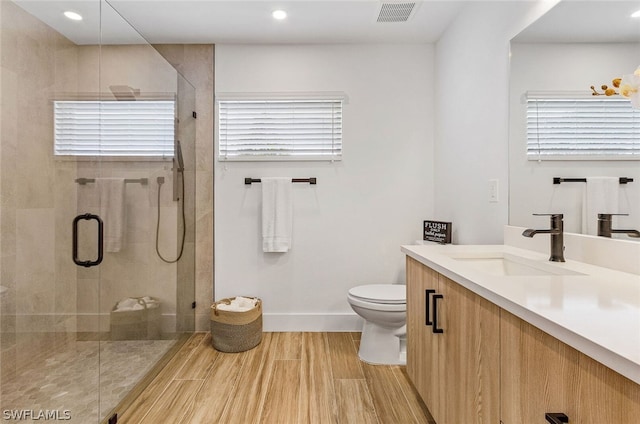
472,74
573,67
348,229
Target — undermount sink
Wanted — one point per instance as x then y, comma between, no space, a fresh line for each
501,264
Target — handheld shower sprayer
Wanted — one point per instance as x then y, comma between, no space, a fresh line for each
178,174
178,156
178,168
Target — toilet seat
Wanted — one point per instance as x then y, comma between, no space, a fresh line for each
385,294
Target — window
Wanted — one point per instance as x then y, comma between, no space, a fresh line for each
280,129
143,128
582,128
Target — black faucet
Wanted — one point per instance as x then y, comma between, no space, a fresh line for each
557,238
604,226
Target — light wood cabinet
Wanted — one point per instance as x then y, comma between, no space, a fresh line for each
457,371
541,374
422,344
489,366
468,356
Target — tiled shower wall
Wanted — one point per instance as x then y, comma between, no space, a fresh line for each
196,62
37,192
40,196
136,270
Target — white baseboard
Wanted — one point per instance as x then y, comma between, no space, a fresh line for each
311,322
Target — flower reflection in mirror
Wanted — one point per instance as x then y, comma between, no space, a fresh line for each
627,86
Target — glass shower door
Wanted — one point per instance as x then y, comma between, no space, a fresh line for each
79,335
41,359
145,284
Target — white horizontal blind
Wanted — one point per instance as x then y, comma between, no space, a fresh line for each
142,128
308,129
588,128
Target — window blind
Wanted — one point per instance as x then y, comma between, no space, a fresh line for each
308,129
588,128
140,128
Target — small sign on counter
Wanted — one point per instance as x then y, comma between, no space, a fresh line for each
437,231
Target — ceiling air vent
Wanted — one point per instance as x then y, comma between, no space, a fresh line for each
395,12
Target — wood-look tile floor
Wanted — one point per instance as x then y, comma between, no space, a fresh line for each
289,378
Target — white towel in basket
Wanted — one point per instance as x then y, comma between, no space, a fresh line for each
239,304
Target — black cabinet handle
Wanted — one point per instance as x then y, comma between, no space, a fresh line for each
556,417
88,217
427,318
435,313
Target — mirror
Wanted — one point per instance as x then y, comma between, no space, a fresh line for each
573,46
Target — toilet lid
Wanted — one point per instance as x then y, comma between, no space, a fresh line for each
381,293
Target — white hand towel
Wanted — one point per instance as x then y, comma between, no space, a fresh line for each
112,212
602,196
277,211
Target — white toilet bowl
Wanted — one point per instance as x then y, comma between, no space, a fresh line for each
384,309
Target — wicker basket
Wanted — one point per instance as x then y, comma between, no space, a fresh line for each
233,331
139,324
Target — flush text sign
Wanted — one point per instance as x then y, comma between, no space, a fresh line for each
437,231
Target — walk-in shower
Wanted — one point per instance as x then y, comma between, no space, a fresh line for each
90,116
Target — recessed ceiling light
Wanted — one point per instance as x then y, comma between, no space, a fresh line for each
636,14
279,14
73,15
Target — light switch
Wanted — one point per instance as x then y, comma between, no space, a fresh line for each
493,191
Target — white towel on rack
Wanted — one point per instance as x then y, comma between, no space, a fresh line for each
112,212
601,196
277,214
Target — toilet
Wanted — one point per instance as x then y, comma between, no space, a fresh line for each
384,310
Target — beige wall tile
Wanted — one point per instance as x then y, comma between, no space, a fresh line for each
195,62
35,259
36,60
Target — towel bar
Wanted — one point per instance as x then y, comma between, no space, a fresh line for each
312,180
558,180
143,181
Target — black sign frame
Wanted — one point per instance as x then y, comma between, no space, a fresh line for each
437,231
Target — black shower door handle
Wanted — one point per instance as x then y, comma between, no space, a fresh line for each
87,217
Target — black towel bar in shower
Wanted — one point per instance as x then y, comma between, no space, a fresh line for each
558,180
143,181
312,180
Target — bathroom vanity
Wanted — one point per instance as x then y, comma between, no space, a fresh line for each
498,334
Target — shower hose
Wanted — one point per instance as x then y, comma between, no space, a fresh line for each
184,230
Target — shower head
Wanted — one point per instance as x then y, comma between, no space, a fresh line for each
124,92
178,156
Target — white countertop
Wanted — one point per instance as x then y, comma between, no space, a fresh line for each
596,311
